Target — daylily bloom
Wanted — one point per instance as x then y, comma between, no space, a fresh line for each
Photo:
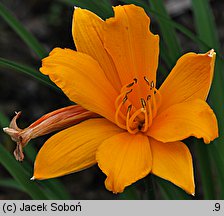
139,127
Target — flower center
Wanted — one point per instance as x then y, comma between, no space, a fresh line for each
137,105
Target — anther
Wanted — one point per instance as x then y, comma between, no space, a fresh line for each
126,96
135,80
125,99
130,85
152,84
146,79
123,94
129,108
129,91
143,103
148,97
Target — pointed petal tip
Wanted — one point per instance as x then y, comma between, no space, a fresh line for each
5,129
76,7
211,53
33,178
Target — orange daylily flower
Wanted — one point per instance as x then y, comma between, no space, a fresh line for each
113,74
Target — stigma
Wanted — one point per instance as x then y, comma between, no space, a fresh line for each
137,105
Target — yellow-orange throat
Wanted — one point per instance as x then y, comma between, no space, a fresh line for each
137,105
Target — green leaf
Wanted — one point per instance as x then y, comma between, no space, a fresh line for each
205,24
217,155
170,191
11,183
5,63
20,175
205,172
207,33
26,36
216,100
57,188
102,8
129,193
4,121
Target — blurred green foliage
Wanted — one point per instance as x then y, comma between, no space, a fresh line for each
210,158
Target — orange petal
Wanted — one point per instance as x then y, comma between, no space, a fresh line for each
124,158
173,162
72,149
133,48
87,30
82,80
190,79
191,118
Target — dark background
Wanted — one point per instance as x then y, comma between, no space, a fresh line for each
50,22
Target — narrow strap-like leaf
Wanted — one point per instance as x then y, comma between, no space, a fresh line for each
167,30
205,173
102,8
20,174
205,24
29,71
207,33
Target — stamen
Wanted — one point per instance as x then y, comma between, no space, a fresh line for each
155,103
147,81
150,116
146,125
119,124
154,107
137,119
130,85
129,122
122,95
125,99
152,85
143,102
129,108
159,98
